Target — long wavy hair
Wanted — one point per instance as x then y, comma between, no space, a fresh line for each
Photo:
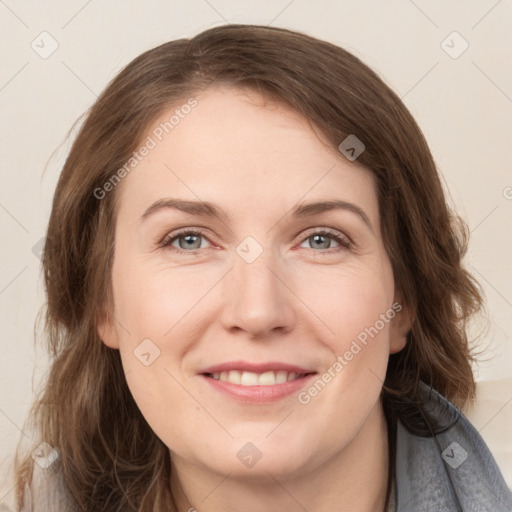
109,458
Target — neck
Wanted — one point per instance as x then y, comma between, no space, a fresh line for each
355,479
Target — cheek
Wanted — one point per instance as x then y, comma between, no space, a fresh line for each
349,302
157,308
154,301
355,307
165,404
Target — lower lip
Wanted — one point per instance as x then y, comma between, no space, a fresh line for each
258,394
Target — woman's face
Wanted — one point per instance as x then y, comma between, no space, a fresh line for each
260,343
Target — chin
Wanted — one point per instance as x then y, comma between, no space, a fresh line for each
257,457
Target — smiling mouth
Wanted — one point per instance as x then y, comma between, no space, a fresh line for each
269,378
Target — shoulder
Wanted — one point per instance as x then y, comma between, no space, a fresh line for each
449,468
491,414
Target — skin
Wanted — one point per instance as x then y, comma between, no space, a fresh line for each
299,302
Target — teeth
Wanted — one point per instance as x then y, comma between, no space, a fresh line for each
267,379
255,379
233,376
281,377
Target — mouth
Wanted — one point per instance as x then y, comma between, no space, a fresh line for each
256,382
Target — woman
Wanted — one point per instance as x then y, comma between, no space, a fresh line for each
208,354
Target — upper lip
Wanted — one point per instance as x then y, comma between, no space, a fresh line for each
246,366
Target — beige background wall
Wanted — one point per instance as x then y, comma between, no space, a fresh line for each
462,101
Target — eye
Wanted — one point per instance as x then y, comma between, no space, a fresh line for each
323,238
188,241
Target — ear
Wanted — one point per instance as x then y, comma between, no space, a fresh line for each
400,324
105,325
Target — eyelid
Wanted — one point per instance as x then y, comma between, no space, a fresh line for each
327,231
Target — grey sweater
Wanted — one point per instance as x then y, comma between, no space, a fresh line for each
448,470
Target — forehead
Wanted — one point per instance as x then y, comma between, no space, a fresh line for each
237,148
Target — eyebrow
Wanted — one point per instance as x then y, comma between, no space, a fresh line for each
207,209
310,209
201,208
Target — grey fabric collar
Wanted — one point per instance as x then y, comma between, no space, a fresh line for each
452,470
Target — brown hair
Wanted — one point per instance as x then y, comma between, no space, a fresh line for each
109,456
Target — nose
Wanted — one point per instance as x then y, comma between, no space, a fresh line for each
258,297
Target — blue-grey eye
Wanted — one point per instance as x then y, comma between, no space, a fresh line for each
188,241
321,241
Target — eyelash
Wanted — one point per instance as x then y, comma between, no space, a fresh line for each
343,241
